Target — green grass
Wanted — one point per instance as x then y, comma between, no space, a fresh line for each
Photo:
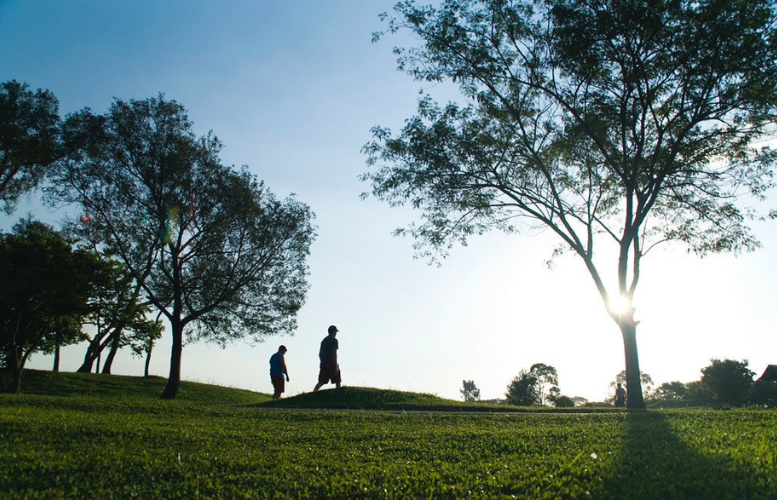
122,441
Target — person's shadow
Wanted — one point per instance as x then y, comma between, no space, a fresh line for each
657,462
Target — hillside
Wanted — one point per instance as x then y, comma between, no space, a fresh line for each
48,383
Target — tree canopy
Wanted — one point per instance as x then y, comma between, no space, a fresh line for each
210,246
29,139
616,124
470,391
46,286
523,390
729,380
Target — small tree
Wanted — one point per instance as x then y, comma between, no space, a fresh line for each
470,391
671,391
547,380
523,390
730,381
143,337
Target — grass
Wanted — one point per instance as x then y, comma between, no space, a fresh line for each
122,441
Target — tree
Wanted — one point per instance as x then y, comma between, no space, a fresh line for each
547,379
730,381
470,391
764,393
522,390
211,248
671,391
45,293
114,309
29,139
615,124
143,339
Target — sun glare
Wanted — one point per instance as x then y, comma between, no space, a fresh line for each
619,304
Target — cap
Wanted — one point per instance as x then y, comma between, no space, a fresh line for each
333,328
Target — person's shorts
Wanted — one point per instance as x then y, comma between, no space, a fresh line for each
329,373
278,383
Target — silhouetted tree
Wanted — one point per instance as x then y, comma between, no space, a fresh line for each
523,390
730,381
29,139
615,122
44,293
547,379
764,393
671,391
470,391
211,247
143,339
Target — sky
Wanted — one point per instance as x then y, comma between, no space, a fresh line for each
292,89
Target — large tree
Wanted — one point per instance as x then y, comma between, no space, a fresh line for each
44,294
614,123
211,247
29,139
729,380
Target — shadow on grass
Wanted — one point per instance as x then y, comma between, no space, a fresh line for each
657,463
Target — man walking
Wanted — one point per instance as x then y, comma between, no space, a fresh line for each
278,371
330,371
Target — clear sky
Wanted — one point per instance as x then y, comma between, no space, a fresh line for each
292,88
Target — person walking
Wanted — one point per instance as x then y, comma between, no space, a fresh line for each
277,371
620,396
327,354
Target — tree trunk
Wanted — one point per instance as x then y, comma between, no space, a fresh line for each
174,380
15,383
634,398
55,368
89,357
115,341
148,361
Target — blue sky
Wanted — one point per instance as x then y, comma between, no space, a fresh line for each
292,88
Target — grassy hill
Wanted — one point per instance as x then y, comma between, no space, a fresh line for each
68,384
370,398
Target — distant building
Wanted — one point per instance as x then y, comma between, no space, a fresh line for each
770,374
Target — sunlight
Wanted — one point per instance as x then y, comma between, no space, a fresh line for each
619,304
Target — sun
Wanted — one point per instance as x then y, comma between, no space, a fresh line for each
619,304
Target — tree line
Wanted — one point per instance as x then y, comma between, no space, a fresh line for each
723,383
161,232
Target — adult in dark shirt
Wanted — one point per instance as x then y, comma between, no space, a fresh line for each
620,396
278,371
327,354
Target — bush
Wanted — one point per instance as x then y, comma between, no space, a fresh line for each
564,402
